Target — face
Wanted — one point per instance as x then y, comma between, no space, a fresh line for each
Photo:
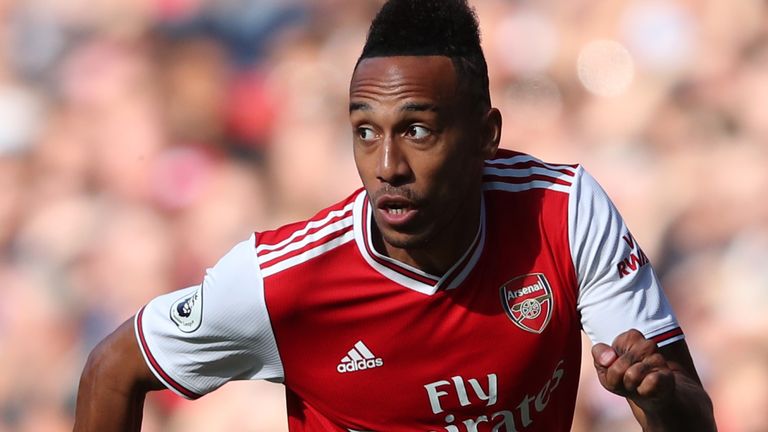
419,148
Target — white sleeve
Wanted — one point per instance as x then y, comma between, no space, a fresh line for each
197,339
618,289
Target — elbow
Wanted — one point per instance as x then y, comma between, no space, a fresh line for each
117,364
102,368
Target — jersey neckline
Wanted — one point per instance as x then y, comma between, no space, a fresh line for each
404,274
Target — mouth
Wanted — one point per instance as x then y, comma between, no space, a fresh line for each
395,210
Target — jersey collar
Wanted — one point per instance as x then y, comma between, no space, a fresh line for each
404,274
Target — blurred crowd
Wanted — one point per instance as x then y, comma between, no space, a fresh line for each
141,139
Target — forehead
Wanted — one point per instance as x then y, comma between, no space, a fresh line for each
382,79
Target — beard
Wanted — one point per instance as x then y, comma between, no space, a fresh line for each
399,191
403,240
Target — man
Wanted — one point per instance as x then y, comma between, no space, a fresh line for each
446,295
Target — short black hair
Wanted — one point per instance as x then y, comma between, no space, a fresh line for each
432,27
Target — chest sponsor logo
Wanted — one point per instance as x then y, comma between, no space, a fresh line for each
450,400
528,301
187,312
359,358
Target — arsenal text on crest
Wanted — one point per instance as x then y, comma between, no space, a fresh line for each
528,301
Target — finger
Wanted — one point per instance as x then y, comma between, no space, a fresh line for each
642,366
657,384
633,340
614,375
603,355
635,375
656,361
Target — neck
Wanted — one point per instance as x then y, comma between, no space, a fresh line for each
445,247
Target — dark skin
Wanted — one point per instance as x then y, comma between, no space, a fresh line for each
661,384
419,150
114,384
413,140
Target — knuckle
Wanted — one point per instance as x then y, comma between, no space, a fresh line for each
630,383
635,374
653,380
648,345
614,378
623,338
621,364
627,360
655,359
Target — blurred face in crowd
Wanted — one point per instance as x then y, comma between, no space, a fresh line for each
419,147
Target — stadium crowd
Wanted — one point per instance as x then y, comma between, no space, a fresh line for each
140,140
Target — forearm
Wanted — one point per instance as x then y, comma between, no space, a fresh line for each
102,406
688,409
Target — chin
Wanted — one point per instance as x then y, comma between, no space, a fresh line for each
406,240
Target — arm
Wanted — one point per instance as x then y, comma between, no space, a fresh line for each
660,384
193,348
113,385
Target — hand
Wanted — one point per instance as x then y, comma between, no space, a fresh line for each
633,367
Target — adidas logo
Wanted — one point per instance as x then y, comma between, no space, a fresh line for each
359,358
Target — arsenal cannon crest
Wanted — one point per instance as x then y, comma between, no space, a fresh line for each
528,301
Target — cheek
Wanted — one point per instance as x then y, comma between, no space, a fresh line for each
459,177
445,180
365,168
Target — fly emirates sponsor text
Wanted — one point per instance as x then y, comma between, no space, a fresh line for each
485,390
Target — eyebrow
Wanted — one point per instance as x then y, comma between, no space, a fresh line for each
410,107
420,107
359,106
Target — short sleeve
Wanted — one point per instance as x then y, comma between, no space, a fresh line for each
197,339
618,288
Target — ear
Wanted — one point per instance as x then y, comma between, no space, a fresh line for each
491,133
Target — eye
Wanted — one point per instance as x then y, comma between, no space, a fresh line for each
366,133
417,132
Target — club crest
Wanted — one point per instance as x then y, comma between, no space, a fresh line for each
528,301
187,312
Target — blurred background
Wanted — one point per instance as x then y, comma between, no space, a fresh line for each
141,139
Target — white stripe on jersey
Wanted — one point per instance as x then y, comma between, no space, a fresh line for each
450,280
478,251
527,158
306,229
327,230
309,254
518,187
526,172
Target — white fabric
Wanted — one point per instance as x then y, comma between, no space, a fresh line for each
610,304
234,340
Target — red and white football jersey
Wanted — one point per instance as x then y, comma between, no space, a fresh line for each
365,343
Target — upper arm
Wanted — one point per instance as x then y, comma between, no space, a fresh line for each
617,286
117,362
196,339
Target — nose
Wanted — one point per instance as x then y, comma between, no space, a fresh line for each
393,167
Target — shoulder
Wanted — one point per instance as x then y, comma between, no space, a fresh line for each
511,171
297,242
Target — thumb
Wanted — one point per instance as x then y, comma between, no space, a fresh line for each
604,356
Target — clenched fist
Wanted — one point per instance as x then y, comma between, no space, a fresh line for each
633,367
